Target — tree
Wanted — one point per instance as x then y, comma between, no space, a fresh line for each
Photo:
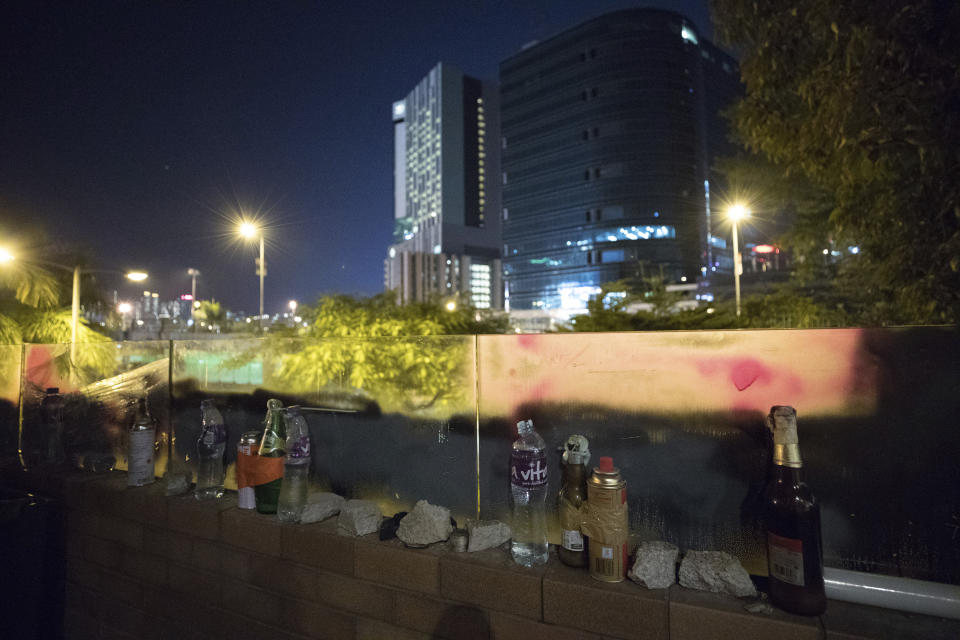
789,306
862,99
211,312
608,310
30,311
413,357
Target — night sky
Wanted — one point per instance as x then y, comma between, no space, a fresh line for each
137,130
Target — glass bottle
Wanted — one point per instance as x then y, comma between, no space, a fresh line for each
792,513
51,412
573,493
271,447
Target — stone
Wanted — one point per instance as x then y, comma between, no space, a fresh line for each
426,524
177,483
655,566
389,526
358,518
759,607
717,572
321,506
486,534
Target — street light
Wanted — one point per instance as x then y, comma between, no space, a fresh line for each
250,230
193,273
137,276
736,213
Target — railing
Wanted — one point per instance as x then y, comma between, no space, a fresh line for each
681,413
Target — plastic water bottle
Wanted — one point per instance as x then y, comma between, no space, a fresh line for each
210,447
528,496
296,468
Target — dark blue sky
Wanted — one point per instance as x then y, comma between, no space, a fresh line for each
136,129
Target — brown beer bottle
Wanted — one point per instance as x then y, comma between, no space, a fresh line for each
573,493
794,546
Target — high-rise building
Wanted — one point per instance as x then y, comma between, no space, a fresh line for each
609,134
446,205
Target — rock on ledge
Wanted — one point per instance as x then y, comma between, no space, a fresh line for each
717,572
425,525
358,518
486,534
321,506
655,566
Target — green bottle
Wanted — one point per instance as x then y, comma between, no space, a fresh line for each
272,449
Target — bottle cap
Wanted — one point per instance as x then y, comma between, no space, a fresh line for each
576,450
606,464
782,422
53,389
524,427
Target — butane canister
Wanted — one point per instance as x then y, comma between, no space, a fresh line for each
606,522
247,450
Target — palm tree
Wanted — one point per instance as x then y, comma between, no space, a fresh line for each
30,312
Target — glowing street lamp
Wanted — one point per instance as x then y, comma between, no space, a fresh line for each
451,306
736,213
249,230
5,256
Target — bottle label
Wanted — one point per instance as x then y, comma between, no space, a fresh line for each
299,447
572,540
214,434
528,469
608,563
786,559
140,465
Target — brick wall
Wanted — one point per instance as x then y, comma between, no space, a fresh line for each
141,565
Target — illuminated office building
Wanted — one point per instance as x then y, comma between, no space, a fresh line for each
609,134
446,223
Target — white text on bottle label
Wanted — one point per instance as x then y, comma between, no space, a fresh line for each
786,559
528,469
572,540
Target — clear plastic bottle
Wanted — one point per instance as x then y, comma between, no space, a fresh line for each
296,469
210,447
528,497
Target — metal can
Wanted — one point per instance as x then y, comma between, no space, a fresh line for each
141,458
607,523
247,450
